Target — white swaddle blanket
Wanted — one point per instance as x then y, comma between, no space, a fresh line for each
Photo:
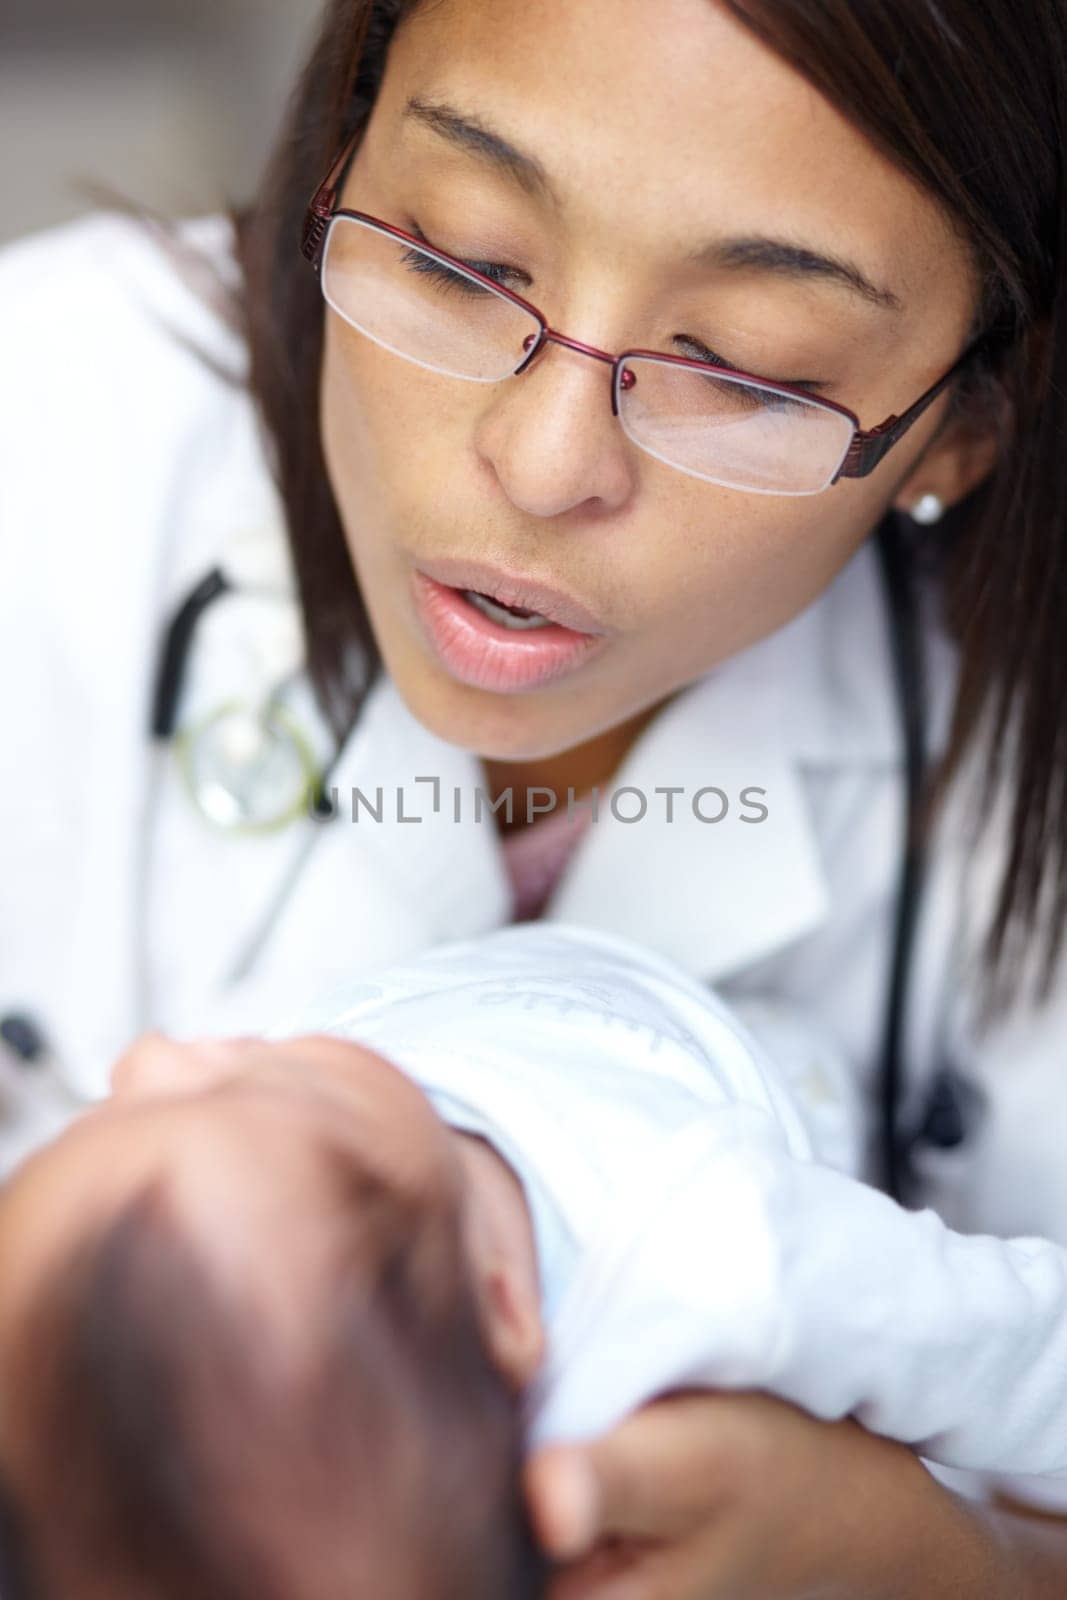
696,1218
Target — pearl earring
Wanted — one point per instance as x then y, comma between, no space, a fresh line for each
928,508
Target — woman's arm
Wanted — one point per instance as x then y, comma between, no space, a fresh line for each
746,1497
1034,1547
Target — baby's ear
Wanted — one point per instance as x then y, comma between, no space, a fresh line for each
513,1326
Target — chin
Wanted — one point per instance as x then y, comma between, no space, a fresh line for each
499,727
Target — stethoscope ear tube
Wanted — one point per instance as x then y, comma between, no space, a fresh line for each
175,651
897,1173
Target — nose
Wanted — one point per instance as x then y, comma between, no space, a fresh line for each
551,439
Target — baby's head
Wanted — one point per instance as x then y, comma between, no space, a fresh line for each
254,1343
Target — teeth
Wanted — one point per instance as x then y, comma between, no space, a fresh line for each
498,613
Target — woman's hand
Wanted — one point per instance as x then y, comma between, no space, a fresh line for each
745,1496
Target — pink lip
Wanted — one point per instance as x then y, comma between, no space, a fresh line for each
512,589
487,655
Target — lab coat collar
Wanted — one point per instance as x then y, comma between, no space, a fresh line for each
714,896
446,864
711,895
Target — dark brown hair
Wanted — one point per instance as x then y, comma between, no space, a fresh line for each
156,1449
971,102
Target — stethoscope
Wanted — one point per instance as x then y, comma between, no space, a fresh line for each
251,768
246,768
895,1153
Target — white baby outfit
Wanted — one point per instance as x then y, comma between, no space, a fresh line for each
690,1175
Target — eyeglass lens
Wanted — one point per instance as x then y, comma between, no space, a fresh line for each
717,427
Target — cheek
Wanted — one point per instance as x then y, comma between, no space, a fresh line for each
352,423
388,426
730,567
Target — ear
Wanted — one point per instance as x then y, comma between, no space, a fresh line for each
957,459
512,1322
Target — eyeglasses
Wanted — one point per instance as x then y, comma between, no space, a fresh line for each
708,420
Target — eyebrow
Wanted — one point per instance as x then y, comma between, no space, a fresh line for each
744,253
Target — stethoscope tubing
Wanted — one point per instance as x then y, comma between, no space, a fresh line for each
897,1171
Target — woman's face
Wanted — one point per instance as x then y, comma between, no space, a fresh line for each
661,125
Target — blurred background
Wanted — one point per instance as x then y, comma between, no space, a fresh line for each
174,103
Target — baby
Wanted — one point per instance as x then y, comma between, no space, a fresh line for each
689,1170
282,1317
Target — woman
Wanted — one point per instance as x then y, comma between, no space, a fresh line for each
861,213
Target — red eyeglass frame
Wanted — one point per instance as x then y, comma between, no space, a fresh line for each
868,445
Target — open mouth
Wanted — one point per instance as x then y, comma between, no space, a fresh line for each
514,617
489,643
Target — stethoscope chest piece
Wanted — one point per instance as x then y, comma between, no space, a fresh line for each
248,769
248,765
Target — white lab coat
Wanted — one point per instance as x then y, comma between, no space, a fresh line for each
129,468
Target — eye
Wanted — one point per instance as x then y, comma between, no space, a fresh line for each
440,272
764,400
447,278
